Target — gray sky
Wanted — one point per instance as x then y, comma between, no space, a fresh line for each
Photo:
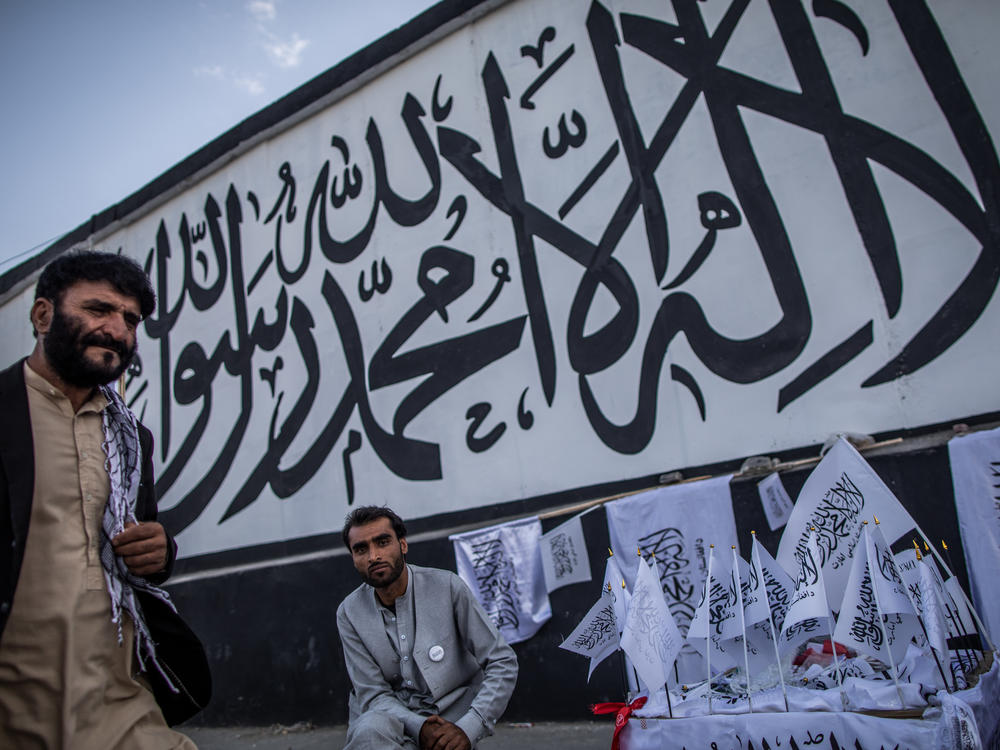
100,97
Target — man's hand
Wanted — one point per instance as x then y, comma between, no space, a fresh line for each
441,734
143,547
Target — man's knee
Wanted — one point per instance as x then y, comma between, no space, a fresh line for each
376,729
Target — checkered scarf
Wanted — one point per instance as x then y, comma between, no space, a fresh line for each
124,465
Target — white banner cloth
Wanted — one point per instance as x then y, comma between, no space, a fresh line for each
675,524
840,493
503,566
975,475
564,555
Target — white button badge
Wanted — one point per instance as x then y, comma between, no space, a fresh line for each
436,653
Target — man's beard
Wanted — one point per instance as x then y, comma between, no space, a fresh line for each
65,349
396,570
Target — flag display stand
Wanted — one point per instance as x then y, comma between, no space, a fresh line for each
840,640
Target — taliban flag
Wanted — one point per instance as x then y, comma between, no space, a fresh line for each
597,634
650,637
717,628
614,584
758,633
808,612
778,586
840,493
866,623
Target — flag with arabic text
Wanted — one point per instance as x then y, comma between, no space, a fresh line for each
650,637
840,493
596,636
503,566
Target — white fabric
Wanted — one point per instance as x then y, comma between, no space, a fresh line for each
840,493
717,621
809,612
675,524
564,555
503,566
650,637
596,636
859,624
761,656
966,720
933,610
779,585
975,473
775,500
614,584
893,600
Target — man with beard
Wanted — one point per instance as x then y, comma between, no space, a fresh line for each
78,593
428,667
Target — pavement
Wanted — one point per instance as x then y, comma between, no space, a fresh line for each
544,735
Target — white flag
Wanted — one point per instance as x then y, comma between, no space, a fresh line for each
908,568
777,583
717,621
564,555
975,472
892,594
670,524
503,567
614,584
859,624
808,612
597,634
840,493
876,616
756,614
650,637
934,610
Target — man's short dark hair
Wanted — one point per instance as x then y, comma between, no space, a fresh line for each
123,273
366,514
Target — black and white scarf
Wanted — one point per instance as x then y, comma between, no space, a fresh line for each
124,466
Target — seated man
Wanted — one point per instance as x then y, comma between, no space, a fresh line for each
428,667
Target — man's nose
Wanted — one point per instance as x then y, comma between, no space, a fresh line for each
115,325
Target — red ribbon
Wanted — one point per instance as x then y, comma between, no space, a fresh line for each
622,711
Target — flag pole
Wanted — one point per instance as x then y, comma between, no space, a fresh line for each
838,678
624,669
708,646
770,621
743,624
968,605
930,645
952,613
881,624
666,687
951,574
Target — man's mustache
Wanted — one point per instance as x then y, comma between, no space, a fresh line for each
107,341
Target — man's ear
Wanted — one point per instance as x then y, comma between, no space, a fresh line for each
402,545
41,315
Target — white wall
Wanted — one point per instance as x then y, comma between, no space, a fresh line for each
260,373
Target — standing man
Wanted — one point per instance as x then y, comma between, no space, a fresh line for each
80,549
428,667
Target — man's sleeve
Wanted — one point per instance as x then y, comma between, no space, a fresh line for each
147,500
497,659
371,690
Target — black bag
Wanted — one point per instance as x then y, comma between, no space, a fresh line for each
182,656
